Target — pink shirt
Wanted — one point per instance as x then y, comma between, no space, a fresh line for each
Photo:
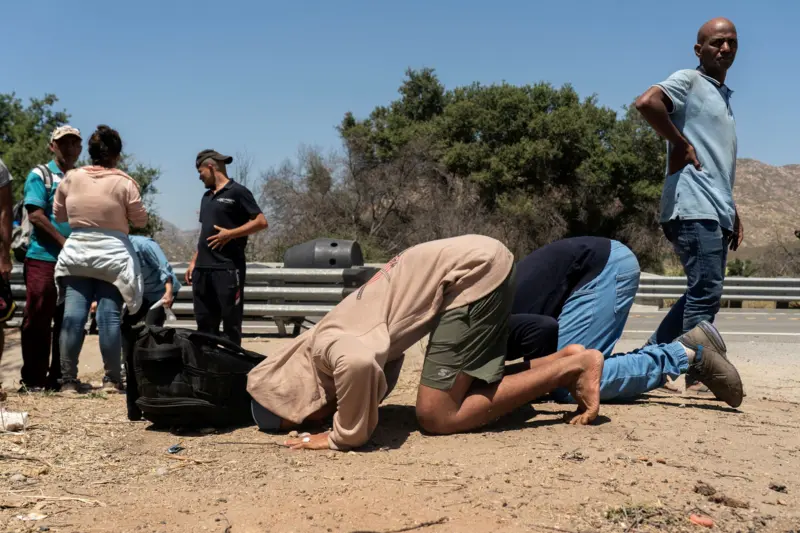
99,197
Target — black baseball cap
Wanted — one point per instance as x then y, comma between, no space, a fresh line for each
212,154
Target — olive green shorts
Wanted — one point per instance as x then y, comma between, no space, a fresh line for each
471,339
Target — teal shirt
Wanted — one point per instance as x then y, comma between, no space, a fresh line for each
43,248
701,110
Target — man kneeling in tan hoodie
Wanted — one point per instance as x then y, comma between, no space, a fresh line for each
458,290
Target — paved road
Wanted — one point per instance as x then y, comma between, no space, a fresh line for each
740,325
779,326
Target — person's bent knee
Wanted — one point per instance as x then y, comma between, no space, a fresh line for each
433,421
572,349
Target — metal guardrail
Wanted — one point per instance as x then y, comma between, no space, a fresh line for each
288,296
656,289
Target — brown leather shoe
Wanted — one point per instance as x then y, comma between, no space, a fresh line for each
711,366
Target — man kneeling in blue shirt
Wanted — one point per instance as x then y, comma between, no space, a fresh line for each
579,291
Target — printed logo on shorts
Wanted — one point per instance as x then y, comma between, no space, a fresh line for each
444,373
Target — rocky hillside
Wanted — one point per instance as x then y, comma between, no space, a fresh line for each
768,199
178,244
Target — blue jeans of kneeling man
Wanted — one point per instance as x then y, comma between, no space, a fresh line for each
595,316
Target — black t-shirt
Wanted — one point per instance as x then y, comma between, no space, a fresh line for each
547,277
232,206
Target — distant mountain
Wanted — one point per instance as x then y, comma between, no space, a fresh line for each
178,244
768,199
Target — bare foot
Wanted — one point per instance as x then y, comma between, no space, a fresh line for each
586,389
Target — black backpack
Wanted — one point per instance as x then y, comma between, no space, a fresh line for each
180,377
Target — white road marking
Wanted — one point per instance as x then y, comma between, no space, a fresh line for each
730,333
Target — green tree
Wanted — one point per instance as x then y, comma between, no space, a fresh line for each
25,134
744,269
546,163
146,177
25,137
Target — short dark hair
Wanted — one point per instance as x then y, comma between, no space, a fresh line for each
105,145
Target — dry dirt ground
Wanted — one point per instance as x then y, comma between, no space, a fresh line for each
85,468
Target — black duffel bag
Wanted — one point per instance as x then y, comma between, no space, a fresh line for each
180,377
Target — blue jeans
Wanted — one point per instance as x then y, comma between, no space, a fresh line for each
702,246
595,317
80,293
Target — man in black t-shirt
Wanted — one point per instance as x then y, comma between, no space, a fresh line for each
579,291
228,214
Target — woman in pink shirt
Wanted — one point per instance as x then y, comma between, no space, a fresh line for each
97,262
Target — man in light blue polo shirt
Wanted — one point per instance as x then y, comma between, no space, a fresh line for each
692,110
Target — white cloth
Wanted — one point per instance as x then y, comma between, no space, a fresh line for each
105,255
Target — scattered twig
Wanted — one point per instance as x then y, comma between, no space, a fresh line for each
775,424
5,456
111,422
63,499
421,525
630,436
229,527
550,528
720,474
704,453
248,443
781,401
634,524
190,459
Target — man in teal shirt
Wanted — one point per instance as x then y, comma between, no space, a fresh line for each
692,110
41,323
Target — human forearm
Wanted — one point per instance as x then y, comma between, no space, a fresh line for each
254,226
45,227
653,107
360,384
6,216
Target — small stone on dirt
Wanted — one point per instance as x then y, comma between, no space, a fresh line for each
293,434
704,489
728,501
527,484
17,478
162,471
778,488
576,455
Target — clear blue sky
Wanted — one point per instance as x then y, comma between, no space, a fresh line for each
175,77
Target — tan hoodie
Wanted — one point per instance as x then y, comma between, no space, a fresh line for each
342,358
101,198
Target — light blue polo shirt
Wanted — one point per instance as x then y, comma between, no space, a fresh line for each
36,194
701,110
156,270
